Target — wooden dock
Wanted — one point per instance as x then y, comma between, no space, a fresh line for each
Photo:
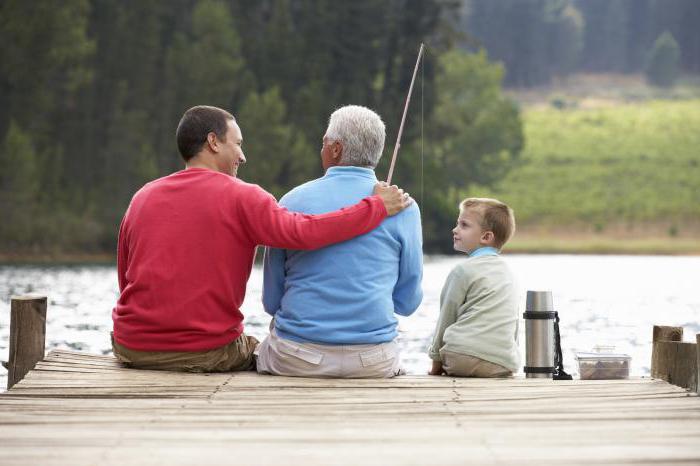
75,409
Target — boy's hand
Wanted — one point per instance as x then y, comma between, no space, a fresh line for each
436,369
395,200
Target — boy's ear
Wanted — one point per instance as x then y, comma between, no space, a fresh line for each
487,237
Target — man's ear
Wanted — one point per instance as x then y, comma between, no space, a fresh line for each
213,142
337,150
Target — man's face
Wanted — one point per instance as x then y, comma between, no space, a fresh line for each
468,234
230,154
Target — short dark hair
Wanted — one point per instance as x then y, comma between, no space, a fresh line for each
196,124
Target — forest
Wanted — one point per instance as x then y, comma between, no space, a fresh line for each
91,92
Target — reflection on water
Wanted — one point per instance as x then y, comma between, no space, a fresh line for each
611,300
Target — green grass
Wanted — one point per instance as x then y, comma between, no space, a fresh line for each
602,245
625,169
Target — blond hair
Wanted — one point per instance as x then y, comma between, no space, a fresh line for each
496,217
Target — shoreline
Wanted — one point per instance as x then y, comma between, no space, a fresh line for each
527,245
57,259
656,246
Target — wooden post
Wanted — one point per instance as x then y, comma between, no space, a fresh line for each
663,333
661,356
27,336
672,360
697,343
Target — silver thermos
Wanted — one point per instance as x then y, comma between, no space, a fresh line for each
539,335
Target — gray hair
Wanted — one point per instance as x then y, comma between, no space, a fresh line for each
361,132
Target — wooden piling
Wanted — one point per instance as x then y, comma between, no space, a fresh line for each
673,360
27,336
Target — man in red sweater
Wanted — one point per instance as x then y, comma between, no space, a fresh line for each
187,244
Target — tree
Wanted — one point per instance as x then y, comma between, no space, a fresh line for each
535,39
680,18
324,54
475,136
605,47
477,131
44,63
662,67
566,26
19,188
94,89
42,60
279,154
204,66
640,33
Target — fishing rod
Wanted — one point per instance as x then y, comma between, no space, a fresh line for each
403,118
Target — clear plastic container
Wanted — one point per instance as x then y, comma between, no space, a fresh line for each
603,365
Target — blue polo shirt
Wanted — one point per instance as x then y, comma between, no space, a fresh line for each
346,293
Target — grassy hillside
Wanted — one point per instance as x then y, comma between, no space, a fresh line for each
629,170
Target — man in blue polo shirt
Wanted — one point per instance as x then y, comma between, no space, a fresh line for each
334,308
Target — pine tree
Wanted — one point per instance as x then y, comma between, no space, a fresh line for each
205,65
662,67
535,39
280,157
19,188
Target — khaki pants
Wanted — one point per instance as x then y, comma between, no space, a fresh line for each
462,365
279,356
236,356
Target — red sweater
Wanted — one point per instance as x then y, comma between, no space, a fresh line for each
186,249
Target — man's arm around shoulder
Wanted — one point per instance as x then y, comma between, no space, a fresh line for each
269,224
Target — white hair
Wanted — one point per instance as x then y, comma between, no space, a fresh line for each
361,132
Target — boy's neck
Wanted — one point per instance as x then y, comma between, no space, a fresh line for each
484,251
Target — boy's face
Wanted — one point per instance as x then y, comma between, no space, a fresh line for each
468,234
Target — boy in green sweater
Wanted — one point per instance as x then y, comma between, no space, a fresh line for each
477,331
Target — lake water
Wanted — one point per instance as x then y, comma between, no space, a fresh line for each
608,300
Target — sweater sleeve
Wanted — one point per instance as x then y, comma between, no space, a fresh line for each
408,294
453,295
269,224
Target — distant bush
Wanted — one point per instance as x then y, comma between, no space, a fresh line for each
663,65
561,102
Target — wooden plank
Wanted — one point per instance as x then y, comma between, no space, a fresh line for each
75,410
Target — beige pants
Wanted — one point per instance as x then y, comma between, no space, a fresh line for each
462,365
236,356
279,356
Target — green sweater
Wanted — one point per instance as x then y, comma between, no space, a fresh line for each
479,313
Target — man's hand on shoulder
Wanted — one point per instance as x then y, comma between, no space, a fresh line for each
395,199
